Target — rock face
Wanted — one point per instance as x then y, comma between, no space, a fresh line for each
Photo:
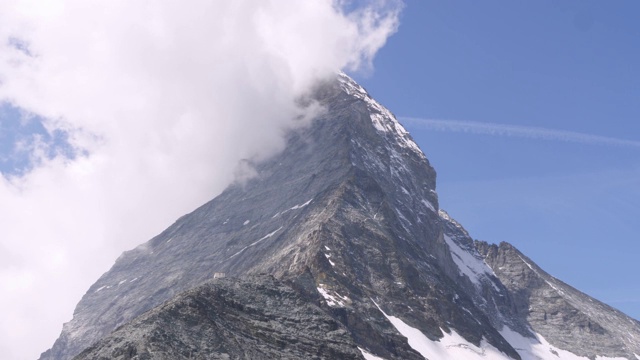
254,318
575,321
347,216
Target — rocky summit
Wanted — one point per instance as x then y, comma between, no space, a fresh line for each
336,249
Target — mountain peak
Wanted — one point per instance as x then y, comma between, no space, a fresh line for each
383,120
347,219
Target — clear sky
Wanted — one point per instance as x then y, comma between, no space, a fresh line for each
537,141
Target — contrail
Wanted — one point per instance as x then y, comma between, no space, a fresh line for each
529,132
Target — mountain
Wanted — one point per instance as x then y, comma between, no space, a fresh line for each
336,249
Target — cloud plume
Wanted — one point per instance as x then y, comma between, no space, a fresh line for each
158,101
528,132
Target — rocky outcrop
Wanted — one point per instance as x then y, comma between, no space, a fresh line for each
256,317
565,316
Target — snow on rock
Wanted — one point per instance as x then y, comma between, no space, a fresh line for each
335,300
369,356
296,207
404,222
429,205
451,347
382,119
554,287
246,222
468,264
329,258
257,241
378,122
446,217
267,236
539,348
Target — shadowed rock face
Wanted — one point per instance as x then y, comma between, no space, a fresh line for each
347,216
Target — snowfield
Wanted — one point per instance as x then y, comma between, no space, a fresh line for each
454,347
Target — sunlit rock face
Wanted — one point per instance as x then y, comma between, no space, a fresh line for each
564,316
253,317
345,227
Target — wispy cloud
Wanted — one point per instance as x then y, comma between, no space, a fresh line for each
528,132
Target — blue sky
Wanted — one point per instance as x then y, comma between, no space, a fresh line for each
22,134
570,67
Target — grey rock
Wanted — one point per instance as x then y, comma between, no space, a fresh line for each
255,317
347,216
566,317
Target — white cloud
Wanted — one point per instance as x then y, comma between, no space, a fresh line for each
529,132
166,97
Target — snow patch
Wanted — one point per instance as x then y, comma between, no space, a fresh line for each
539,347
428,205
404,222
122,282
452,346
296,207
326,247
246,222
468,264
444,215
378,122
369,356
329,258
267,236
257,241
335,300
100,288
528,265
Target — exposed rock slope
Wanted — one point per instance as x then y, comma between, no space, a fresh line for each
348,215
557,311
253,318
